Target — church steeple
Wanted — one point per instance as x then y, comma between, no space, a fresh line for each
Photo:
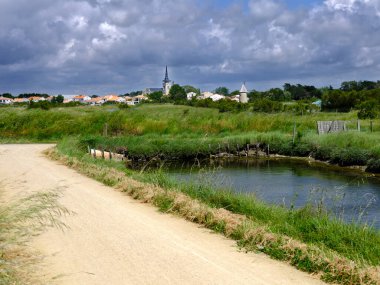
166,80
166,83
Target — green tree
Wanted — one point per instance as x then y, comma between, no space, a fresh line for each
189,88
222,91
60,99
368,110
155,96
177,93
7,95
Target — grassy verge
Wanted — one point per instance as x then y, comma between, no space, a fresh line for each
308,239
19,222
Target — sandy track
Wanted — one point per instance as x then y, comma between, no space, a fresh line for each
114,239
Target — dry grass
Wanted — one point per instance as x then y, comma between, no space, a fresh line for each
20,221
251,236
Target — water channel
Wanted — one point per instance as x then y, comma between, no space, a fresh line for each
348,194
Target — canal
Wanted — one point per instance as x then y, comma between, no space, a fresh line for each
350,195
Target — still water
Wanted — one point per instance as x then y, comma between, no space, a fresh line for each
350,195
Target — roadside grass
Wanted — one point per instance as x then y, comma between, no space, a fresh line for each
307,238
20,221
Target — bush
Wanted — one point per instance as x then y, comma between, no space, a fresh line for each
350,156
373,166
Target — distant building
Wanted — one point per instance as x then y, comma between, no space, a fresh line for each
148,91
36,99
138,99
191,95
166,83
217,97
95,101
6,101
81,98
114,98
21,100
243,94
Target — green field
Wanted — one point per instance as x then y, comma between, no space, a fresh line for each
184,132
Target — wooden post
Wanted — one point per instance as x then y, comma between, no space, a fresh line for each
294,132
89,149
110,154
237,150
268,149
358,125
371,124
103,153
247,149
95,153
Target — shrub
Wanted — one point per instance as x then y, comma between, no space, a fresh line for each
373,166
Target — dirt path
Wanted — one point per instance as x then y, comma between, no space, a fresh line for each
114,239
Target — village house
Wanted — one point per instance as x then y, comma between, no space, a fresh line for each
114,98
36,99
191,95
95,101
137,100
21,100
6,101
81,98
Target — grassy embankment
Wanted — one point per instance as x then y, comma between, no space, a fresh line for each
307,238
20,221
183,132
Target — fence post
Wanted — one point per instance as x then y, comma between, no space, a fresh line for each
268,149
358,125
89,149
294,132
94,152
102,152
371,124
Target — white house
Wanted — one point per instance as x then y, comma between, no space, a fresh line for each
6,101
138,99
81,98
191,95
95,101
217,97
36,99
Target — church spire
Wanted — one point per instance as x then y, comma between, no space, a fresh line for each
166,75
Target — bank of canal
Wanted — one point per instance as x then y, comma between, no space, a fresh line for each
292,183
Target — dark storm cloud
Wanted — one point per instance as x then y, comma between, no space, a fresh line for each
100,46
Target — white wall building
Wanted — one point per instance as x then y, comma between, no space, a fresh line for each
6,101
243,94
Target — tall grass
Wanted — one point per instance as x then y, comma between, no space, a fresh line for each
20,221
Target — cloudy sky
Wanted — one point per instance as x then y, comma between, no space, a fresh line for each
116,46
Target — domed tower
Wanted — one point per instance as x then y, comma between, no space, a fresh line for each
243,94
166,83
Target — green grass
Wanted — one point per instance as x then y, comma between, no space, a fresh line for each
308,225
184,132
